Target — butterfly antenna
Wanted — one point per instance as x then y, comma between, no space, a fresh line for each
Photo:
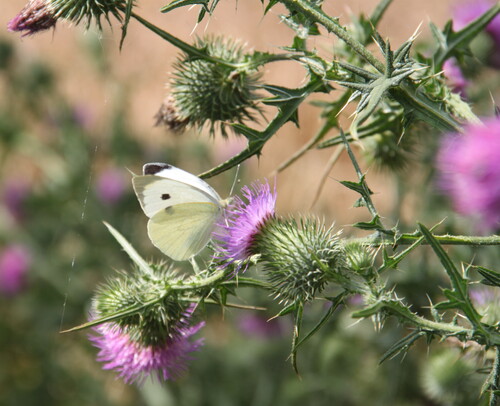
236,180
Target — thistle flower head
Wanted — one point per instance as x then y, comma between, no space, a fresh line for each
36,16
155,341
135,361
244,219
298,258
469,167
215,93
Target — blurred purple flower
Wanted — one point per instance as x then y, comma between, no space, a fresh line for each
243,220
455,77
135,362
467,11
486,299
13,196
15,261
258,326
36,16
469,167
110,186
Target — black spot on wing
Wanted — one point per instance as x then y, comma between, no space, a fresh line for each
165,196
154,168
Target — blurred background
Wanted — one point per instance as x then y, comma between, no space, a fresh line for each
76,114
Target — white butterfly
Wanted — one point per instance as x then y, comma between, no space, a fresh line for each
182,209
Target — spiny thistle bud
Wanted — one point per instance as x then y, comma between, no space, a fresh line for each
36,16
216,93
88,10
154,340
299,259
450,378
359,258
391,150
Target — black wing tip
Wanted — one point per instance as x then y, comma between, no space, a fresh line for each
154,167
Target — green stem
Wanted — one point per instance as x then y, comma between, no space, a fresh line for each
495,379
305,8
377,240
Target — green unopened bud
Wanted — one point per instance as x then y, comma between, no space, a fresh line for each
359,258
153,324
390,150
299,260
449,378
215,93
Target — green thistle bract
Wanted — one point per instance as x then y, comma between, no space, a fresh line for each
299,259
215,93
88,10
156,322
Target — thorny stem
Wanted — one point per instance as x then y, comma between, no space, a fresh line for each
332,25
495,379
377,240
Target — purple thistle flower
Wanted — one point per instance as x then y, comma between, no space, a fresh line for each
135,361
15,261
110,186
34,17
243,220
469,167
456,79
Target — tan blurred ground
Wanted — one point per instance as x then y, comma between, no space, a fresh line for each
142,68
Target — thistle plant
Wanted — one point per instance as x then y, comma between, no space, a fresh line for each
145,320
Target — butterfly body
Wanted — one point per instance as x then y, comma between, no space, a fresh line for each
182,209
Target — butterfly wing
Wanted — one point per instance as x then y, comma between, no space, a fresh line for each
156,193
183,230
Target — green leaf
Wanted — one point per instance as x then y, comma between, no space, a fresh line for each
182,3
287,101
458,283
335,303
286,310
490,277
296,334
402,345
374,224
128,14
356,186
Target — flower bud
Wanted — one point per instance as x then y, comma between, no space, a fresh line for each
215,93
300,258
36,16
